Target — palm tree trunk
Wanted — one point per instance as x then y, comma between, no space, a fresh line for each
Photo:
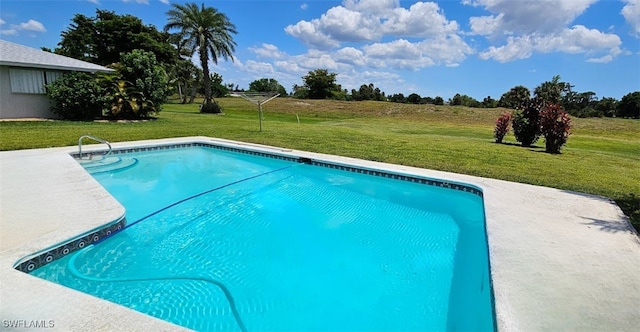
180,91
204,60
194,88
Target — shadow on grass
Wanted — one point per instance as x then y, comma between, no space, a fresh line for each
630,205
532,147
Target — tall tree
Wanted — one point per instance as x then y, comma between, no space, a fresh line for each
464,100
629,106
551,91
321,84
489,102
515,98
267,85
414,98
187,77
397,98
607,106
101,39
207,31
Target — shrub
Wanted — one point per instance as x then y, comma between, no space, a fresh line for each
147,76
525,123
77,96
554,125
127,101
503,123
587,112
210,107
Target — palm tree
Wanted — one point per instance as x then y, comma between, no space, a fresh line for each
208,31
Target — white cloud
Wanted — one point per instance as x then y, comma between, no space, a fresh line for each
1,21
337,25
310,34
342,24
375,7
579,39
515,49
301,64
602,59
527,16
540,27
289,67
8,32
422,19
574,40
352,62
31,25
397,49
97,2
380,75
449,50
166,2
402,54
371,21
350,55
304,6
398,54
315,59
268,51
394,37
631,13
486,25
260,68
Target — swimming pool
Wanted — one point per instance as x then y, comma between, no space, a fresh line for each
225,240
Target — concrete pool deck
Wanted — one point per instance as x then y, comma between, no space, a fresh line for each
561,261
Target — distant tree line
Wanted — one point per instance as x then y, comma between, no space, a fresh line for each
580,104
321,84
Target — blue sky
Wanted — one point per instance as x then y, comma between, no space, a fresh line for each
434,48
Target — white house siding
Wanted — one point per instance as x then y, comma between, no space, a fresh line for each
22,73
21,105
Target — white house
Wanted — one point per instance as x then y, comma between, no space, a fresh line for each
24,71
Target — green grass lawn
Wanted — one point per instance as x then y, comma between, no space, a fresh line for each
602,156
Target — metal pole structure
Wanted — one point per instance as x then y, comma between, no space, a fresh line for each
260,114
252,98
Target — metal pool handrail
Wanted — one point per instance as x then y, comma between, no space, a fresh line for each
97,139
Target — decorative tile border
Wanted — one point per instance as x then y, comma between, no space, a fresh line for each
78,243
402,177
187,145
425,181
251,152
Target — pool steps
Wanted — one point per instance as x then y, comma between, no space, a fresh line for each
110,164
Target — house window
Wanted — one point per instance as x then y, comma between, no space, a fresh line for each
31,81
52,76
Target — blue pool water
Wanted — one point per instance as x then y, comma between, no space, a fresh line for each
226,241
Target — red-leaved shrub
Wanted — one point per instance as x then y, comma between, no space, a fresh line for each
503,123
554,126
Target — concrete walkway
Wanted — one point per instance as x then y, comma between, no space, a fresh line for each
561,261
